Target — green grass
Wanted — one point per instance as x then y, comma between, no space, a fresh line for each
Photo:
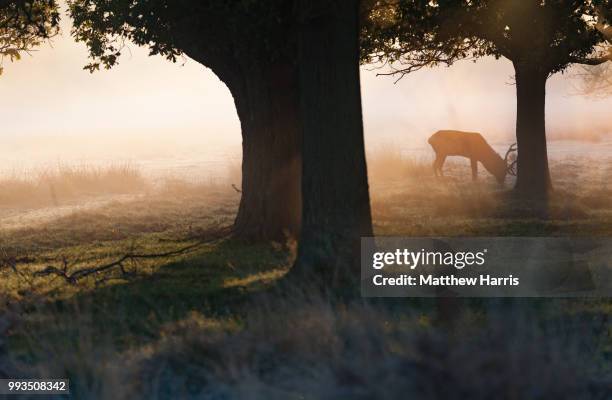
209,315
133,309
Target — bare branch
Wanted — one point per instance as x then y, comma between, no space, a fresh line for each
594,81
74,276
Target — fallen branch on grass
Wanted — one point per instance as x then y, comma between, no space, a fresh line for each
10,261
73,277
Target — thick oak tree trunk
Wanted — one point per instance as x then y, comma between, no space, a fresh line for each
266,101
336,204
266,98
533,176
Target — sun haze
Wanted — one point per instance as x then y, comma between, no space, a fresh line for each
147,107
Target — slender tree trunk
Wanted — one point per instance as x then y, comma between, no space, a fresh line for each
533,177
336,211
266,101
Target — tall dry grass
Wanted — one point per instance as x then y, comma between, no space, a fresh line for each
387,163
53,186
312,348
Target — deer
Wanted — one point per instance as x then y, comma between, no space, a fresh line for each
471,145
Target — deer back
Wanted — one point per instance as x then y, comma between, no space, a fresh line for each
458,143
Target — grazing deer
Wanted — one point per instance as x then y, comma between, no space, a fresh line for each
473,146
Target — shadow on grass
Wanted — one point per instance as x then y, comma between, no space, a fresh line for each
217,282
239,328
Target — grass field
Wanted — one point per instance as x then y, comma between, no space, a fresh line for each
65,183
207,323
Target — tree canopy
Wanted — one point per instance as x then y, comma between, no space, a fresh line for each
412,34
215,32
25,25
597,80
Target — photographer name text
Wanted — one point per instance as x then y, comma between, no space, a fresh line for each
412,260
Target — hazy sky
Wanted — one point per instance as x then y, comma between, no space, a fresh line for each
49,94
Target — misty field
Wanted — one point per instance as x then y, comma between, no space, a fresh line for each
188,311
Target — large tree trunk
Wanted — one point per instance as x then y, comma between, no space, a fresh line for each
266,101
336,204
266,98
533,177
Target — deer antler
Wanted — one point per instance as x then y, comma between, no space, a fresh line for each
512,168
510,150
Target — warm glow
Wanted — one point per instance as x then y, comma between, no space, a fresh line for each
148,108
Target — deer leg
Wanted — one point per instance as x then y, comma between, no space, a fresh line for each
435,166
474,168
441,164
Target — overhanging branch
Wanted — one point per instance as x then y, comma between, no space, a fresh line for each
591,61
